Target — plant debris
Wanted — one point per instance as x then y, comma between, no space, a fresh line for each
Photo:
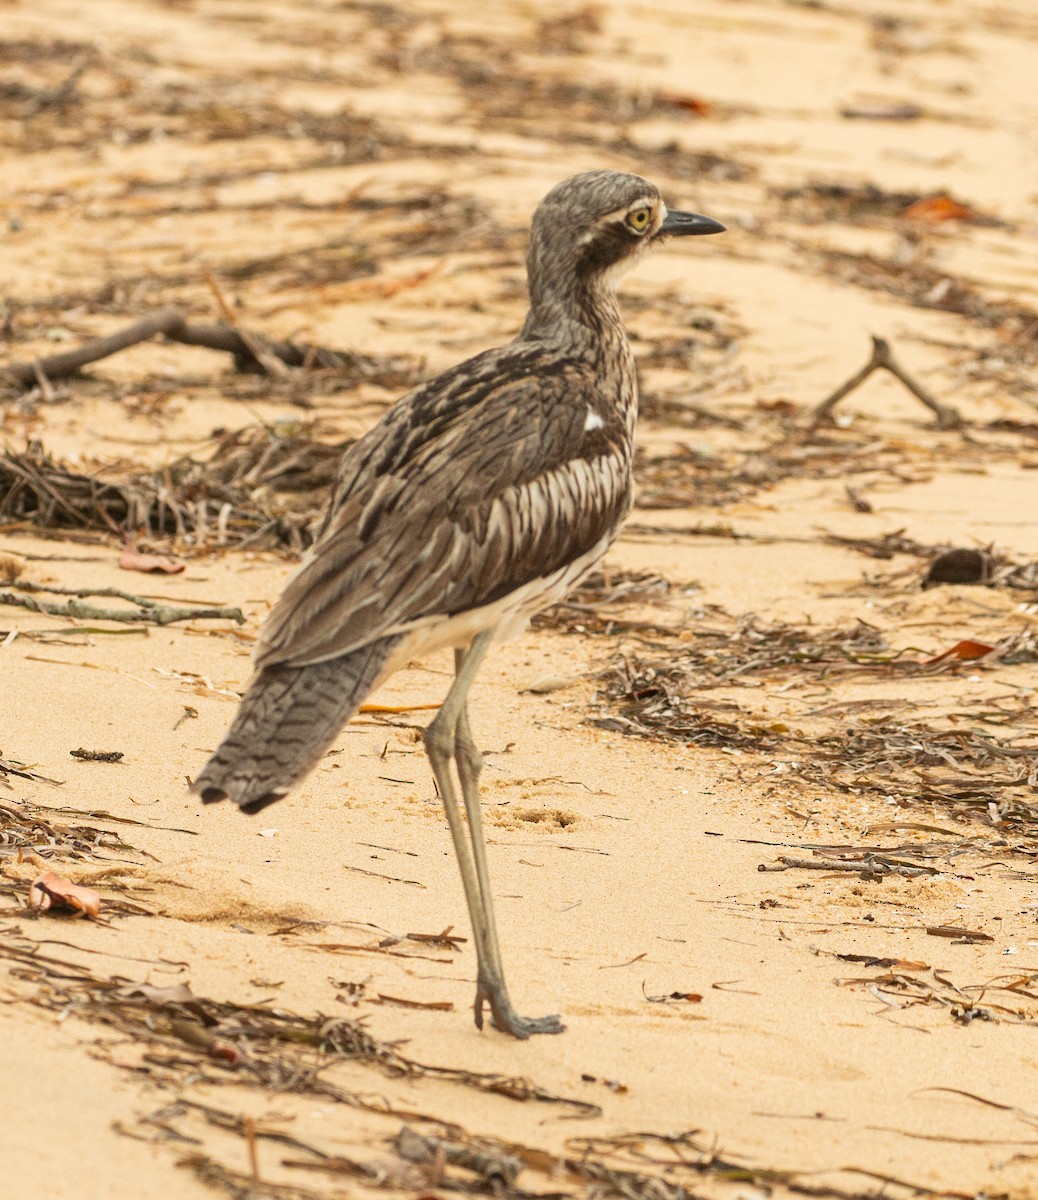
883,358
262,486
103,756
960,566
962,763
52,891
277,1049
250,352
30,829
133,559
146,609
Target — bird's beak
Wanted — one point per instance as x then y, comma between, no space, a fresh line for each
684,224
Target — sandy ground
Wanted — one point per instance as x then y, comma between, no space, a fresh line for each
360,176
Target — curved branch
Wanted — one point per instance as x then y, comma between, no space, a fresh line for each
248,349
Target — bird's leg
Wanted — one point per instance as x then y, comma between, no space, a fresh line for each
490,986
447,738
468,761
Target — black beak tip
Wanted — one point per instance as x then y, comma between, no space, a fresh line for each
685,224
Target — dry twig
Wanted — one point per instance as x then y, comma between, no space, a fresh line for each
252,352
147,610
883,359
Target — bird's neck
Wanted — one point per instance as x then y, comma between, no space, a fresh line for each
580,318
583,323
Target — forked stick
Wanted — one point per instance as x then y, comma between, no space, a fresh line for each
883,358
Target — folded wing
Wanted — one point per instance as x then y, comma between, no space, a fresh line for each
469,489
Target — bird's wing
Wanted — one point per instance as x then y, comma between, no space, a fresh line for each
469,488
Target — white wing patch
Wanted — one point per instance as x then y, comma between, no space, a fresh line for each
592,420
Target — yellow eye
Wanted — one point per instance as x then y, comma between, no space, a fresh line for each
639,219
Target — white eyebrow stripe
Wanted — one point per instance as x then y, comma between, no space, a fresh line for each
619,214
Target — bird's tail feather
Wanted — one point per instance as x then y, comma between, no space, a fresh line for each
287,719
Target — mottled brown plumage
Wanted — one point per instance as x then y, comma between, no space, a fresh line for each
479,498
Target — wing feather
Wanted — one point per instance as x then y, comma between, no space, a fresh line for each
468,489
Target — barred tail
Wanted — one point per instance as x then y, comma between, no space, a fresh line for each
287,719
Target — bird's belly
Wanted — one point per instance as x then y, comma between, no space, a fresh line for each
506,617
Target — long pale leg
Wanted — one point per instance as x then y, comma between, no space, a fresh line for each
448,738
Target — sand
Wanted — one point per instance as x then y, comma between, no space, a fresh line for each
700,992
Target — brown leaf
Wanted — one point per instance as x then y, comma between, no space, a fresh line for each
693,104
50,890
939,208
133,559
963,651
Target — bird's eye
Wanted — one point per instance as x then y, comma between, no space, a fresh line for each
639,219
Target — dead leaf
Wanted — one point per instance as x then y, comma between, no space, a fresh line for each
693,104
964,651
939,208
133,559
666,997
177,993
870,960
50,890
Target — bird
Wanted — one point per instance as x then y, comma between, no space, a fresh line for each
482,496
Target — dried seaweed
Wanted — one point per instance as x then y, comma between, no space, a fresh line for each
581,613
627,1166
25,830
924,286
966,769
961,762
267,485
263,486
722,653
899,988
857,204
963,768
222,1042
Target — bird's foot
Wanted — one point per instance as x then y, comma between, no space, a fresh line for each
504,1017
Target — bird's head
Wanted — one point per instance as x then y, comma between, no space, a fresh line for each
593,227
